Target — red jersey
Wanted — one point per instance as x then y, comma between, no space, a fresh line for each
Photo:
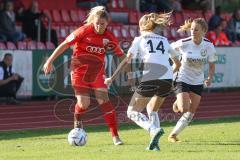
86,41
90,49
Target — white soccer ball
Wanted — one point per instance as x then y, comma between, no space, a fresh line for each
77,137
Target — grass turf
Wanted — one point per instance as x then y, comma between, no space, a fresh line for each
208,139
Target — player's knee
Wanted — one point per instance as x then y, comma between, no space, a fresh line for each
188,116
129,112
83,105
132,114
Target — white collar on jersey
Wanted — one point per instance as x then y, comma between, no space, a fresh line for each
199,43
157,30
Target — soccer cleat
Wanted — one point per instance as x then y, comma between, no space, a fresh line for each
117,141
156,134
173,139
175,107
156,148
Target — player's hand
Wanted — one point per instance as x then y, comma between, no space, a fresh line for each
47,67
207,82
108,81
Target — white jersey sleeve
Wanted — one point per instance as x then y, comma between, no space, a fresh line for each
172,52
135,47
176,45
212,54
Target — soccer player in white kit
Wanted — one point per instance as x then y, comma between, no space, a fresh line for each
194,51
156,82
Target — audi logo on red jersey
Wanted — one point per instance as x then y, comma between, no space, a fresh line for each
97,50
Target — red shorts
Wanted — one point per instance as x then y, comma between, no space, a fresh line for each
83,83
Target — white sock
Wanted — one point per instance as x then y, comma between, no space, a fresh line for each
141,120
153,117
182,123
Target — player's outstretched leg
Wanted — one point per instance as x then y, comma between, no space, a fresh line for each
109,115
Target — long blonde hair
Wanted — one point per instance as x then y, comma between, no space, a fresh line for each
150,21
98,11
187,24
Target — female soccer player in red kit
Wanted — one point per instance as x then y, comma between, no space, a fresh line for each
91,42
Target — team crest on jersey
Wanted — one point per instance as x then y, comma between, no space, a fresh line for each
105,41
108,45
203,52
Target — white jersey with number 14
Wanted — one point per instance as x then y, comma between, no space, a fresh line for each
155,52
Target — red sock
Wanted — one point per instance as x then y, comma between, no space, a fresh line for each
79,110
77,116
109,115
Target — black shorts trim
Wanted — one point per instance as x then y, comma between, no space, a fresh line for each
160,87
184,87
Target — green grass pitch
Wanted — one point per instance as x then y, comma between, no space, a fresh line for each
202,140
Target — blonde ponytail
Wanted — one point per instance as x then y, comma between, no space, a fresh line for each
149,21
186,26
